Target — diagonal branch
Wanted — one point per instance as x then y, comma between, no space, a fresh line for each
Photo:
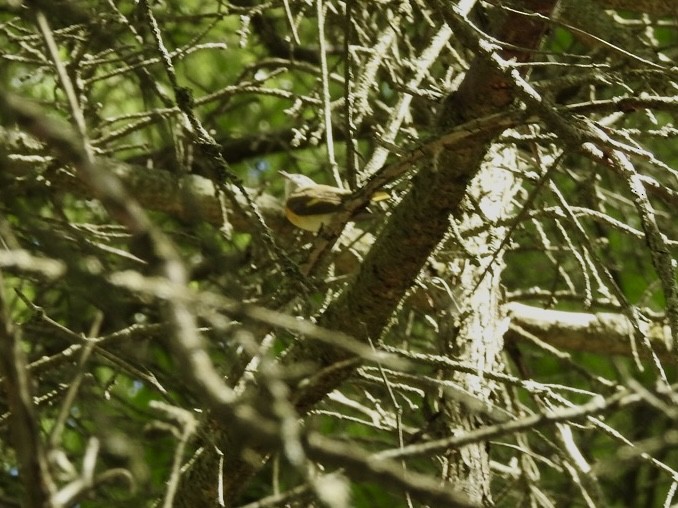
30,450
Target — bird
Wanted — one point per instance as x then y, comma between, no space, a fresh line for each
310,205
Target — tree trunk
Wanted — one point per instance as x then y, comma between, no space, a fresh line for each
475,337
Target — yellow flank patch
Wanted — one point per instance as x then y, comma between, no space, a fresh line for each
380,196
311,223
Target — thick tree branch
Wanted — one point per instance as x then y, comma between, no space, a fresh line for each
603,333
391,266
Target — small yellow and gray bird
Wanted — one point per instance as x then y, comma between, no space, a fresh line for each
310,205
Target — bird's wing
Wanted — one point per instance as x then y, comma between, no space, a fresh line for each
318,200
